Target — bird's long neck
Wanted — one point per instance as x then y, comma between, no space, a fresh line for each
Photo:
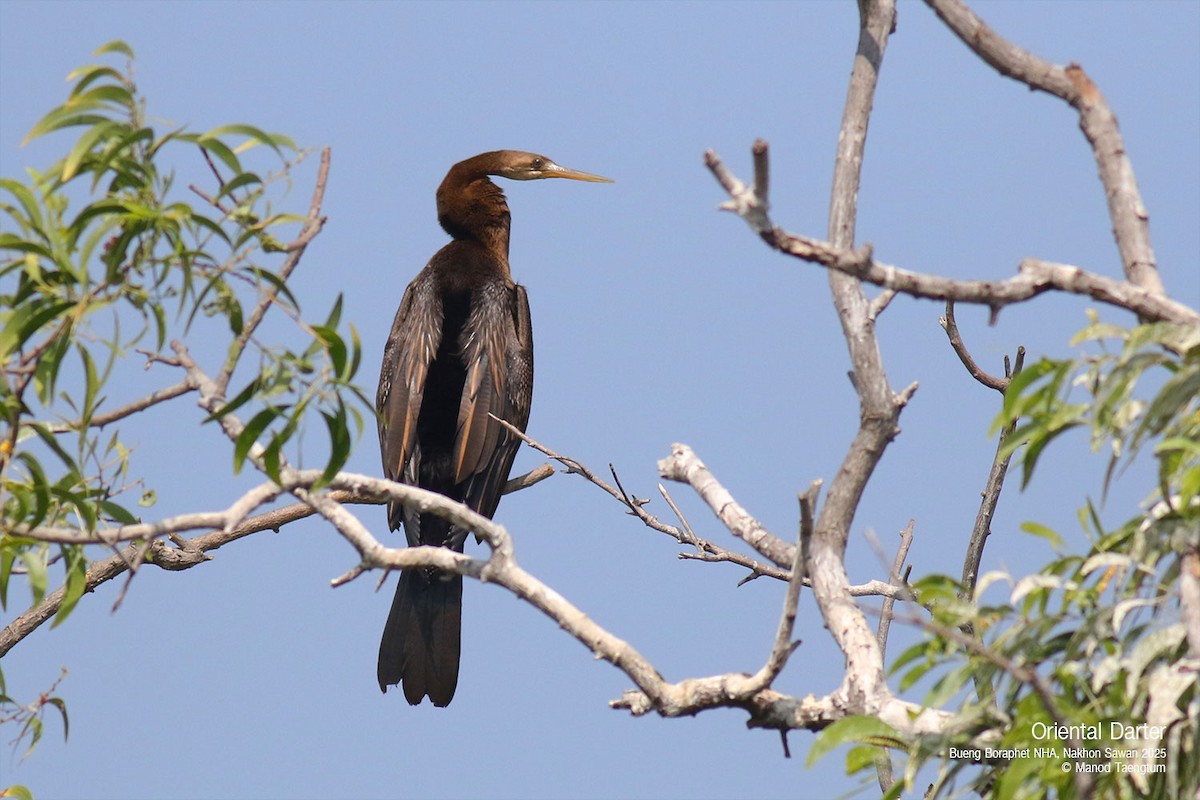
472,208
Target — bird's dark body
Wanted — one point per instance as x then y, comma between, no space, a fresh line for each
460,351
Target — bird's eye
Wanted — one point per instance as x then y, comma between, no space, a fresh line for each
538,163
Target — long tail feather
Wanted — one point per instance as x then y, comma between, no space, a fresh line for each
422,637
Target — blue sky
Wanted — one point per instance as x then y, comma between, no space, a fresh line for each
657,319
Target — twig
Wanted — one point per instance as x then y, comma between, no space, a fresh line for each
883,762
312,226
784,646
950,326
705,550
212,201
990,497
900,582
100,420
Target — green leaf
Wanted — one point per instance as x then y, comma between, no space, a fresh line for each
249,435
217,148
912,653
33,209
99,97
26,320
7,557
76,567
91,386
857,729
1016,387
10,241
231,186
915,674
356,353
276,141
1037,444
17,791
1175,396
278,285
106,207
57,702
947,686
117,513
85,143
90,74
334,347
339,443
210,225
1040,530
34,726
238,401
115,46
63,117
862,757
35,569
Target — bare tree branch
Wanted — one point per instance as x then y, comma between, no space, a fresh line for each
684,465
990,498
1033,278
883,762
188,552
784,646
900,582
950,326
864,685
100,420
705,550
1130,220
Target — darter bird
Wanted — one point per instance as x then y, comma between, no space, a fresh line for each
460,349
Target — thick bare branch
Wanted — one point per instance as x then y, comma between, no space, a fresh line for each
685,466
1032,279
879,407
705,550
1130,220
188,552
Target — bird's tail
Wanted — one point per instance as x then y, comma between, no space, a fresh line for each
422,637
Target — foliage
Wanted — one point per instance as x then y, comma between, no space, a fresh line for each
101,257
1093,639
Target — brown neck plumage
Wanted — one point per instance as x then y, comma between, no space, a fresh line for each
472,208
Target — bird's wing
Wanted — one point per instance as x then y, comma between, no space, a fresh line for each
411,346
498,352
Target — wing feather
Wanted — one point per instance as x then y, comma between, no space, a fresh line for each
507,381
411,346
489,327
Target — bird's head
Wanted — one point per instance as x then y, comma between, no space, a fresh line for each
518,165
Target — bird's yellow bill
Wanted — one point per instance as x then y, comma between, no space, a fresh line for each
556,171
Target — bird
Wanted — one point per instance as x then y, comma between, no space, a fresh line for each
460,350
